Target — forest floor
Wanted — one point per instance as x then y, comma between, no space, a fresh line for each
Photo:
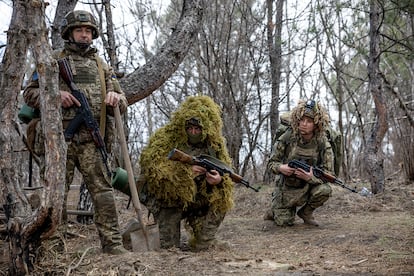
358,235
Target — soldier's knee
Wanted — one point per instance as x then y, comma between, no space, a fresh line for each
284,217
322,191
319,195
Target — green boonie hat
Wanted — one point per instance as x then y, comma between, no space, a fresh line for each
78,19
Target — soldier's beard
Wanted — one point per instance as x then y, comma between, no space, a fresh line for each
80,45
83,45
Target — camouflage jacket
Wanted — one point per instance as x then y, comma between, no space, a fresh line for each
317,152
86,76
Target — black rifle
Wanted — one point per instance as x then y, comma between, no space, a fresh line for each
319,173
83,114
209,163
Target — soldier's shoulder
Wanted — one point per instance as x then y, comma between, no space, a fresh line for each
324,142
58,53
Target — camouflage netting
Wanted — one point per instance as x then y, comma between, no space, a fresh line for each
172,181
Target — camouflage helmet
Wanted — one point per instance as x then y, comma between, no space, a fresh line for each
77,19
311,109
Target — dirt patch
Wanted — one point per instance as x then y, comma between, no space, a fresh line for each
358,236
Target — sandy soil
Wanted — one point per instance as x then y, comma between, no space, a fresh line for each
358,236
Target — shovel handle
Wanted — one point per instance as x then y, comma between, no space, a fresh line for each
131,180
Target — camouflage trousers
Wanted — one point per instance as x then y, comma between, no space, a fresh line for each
202,223
86,158
286,199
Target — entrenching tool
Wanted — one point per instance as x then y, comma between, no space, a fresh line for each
143,237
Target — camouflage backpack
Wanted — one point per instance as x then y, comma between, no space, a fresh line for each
334,137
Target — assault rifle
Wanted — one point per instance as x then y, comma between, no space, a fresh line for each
209,163
83,114
319,173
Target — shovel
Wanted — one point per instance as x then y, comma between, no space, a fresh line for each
143,237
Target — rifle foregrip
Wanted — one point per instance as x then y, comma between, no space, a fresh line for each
237,178
329,178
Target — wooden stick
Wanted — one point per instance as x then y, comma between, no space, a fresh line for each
131,180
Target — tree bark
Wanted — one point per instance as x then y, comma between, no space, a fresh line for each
274,42
26,227
62,9
373,157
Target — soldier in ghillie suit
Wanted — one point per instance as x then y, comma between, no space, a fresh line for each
98,83
176,191
305,141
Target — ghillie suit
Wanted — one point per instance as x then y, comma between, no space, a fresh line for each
171,191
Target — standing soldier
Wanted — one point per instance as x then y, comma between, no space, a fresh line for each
305,141
97,81
174,191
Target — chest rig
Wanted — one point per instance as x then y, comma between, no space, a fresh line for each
89,76
308,152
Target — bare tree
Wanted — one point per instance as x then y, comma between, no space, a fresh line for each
26,227
397,72
63,7
274,42
373,157
146,79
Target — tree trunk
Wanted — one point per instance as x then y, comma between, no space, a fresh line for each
274,42
26,227
146,79
373,157
63,7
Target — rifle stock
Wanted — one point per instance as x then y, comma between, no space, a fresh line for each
83,114
319,173
209,163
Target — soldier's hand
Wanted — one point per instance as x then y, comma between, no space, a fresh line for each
112,99
286,170
68,99
198,170
304,175
213,177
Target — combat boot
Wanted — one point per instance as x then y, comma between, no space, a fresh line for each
204,245
114,250
306,213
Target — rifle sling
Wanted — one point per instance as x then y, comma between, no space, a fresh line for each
102,122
